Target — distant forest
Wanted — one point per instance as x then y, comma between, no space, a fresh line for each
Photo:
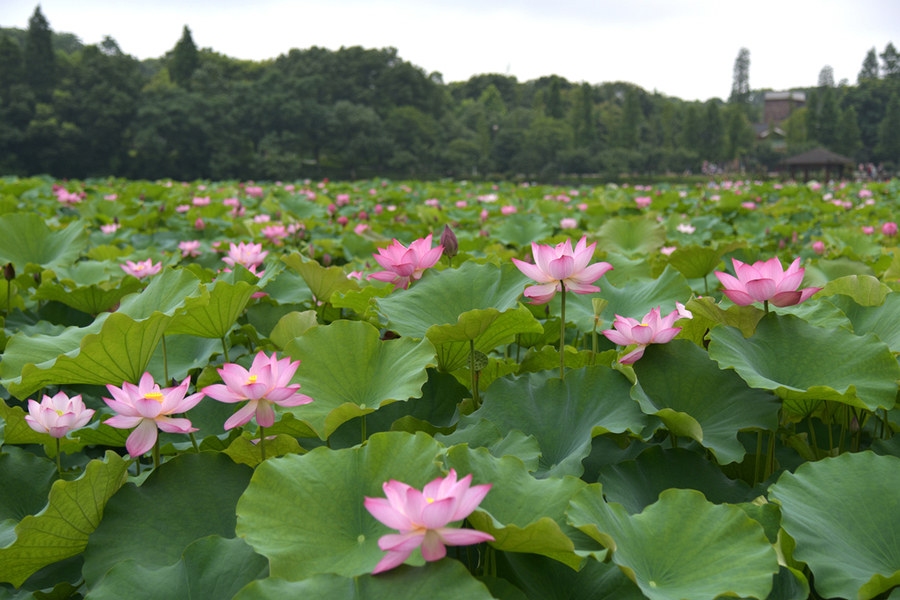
71,110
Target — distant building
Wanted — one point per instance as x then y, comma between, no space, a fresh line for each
779,105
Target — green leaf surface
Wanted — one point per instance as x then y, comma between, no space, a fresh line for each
215,319
442,580
26,483
184,353
800,362
212,568
349,372
189,497
91,299
524,514
844,514
117,347
681,547
864,289
306,513
245,452
75,509
321,281
744,318
542,578
678,379
881,320
635,299
521,229
562,414
25,238
631,236
696,262
636,484
440,299
292,325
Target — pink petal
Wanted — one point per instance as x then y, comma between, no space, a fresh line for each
265,415
562,268
391,560
633,356
470,501
771,268
381,509
148,408
432,547
242,416
729,282
790,281
437,513
124,421
295,400
666,335
760,289
531,271
786,298
643,334
430,258
188,403
543,254
617,338
221,393
540,291
172,425
463,537
401,542
739,297
388,276
142,438
592,273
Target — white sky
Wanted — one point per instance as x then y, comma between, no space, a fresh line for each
680,48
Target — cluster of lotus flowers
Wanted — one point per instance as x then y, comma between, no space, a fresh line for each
421,517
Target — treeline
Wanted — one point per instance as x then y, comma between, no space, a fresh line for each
80,111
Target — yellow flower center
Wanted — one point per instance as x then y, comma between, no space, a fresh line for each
60,413
138,267
154,396
252,379
429,500
643,325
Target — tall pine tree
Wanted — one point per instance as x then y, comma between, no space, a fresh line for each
849,142
740,85
185,59
39,59
889,132
11,68
869,67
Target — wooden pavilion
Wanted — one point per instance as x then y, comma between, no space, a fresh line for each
818,159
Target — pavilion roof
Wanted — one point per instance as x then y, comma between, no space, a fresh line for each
818,157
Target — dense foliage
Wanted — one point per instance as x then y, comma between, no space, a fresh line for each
747,449
354,112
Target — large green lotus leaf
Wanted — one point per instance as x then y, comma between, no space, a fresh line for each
117,347
189,497
744,318
211,568
826,271
679,377
564,415
452,356
75,509
246,452
215,319
91,299
321,281
26,483
459,303
631,236
542,578
349,372
183,353
524,514
820,313
682,547
292,325
864,289
521,230
361,302
635,299
880,320
800,362
25,238
442,580
306,513
696,262
636,484
844,514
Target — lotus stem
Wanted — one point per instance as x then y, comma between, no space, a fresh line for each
562,332
884,424
758,456
165,361
812,436
156,453
58,464
137,466
830,434
8,295
770,455
225,350
674,439
843,430
518,346
766,306
363,428
262,443
594,343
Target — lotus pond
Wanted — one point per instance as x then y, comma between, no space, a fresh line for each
717,431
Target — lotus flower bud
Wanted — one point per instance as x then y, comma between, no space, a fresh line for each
9,271
326,259
449,242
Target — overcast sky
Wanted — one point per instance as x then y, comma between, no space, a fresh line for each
683,48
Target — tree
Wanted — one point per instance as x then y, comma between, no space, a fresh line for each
185,59
712,133
553,99
796,129
828,118
739,135
826,77
848,136
740,85
39,59
585,126
890,61
11,68
632,117
889,132
869,67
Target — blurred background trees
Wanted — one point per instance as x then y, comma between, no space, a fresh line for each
72,110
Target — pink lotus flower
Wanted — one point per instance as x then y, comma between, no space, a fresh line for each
245,254
889,229
686,228
568,223
200,201
275,233
405,264
111,197
508,210
652,329
189,248
668,250
360,228
643,201
868,230
147,408
142,268
183,208
266,383
58,415
109,228
253,191
766,281
262,219
818,247
560,265
422,518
